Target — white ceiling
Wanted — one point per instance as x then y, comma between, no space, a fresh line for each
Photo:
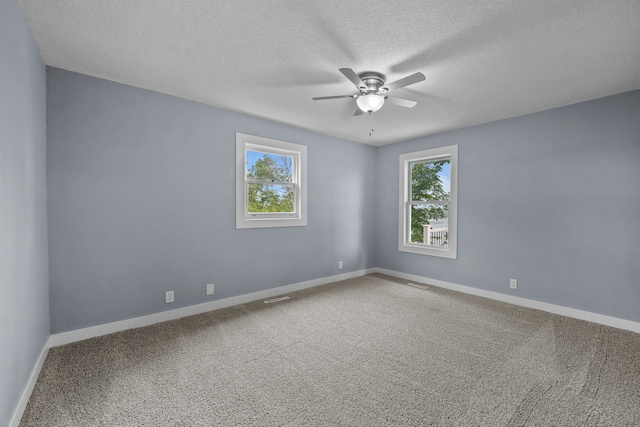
483,60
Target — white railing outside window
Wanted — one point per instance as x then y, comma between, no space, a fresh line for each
436,236
427,209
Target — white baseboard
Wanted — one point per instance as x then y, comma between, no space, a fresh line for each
523,302
26,393
138,322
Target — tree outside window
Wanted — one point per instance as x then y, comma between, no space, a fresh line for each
270,183
428,202
428,185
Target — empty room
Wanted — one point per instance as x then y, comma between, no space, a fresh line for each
339,213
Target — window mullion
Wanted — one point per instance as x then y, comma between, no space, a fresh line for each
259,182
429,227
257,193
429,202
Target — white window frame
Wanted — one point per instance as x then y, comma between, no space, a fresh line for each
404,230
245,219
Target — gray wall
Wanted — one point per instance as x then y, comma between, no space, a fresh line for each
141,191
24,305
551,199
141,200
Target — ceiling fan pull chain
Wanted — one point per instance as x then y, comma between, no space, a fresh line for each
372,91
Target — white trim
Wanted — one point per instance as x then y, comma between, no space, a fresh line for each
138,322
299,154
574,313
404,225
96,331
28,389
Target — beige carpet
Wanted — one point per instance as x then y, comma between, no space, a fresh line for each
364,352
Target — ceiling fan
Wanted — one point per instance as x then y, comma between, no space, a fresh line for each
373,90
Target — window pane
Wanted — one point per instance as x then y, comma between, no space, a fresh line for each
271,183
269,167
430,180
273,198
428,202
430,225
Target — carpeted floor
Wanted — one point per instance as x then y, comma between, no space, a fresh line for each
369,351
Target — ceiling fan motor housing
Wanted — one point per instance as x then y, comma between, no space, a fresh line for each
374,81
373,90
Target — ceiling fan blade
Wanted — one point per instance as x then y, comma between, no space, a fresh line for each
351,75
409,80
358,112
320,98
407,103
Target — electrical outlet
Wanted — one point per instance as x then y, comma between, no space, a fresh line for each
168,297
513,284
340,265
210,289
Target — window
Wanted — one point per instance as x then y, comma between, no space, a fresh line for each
428,202
270,183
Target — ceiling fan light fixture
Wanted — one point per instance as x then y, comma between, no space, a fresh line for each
370,103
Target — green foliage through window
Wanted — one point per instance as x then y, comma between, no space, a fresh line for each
271,187
429,180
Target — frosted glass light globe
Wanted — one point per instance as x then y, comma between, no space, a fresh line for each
370,103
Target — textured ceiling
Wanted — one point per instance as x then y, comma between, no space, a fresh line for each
483,60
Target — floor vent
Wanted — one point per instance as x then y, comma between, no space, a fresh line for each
270,301
417,285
